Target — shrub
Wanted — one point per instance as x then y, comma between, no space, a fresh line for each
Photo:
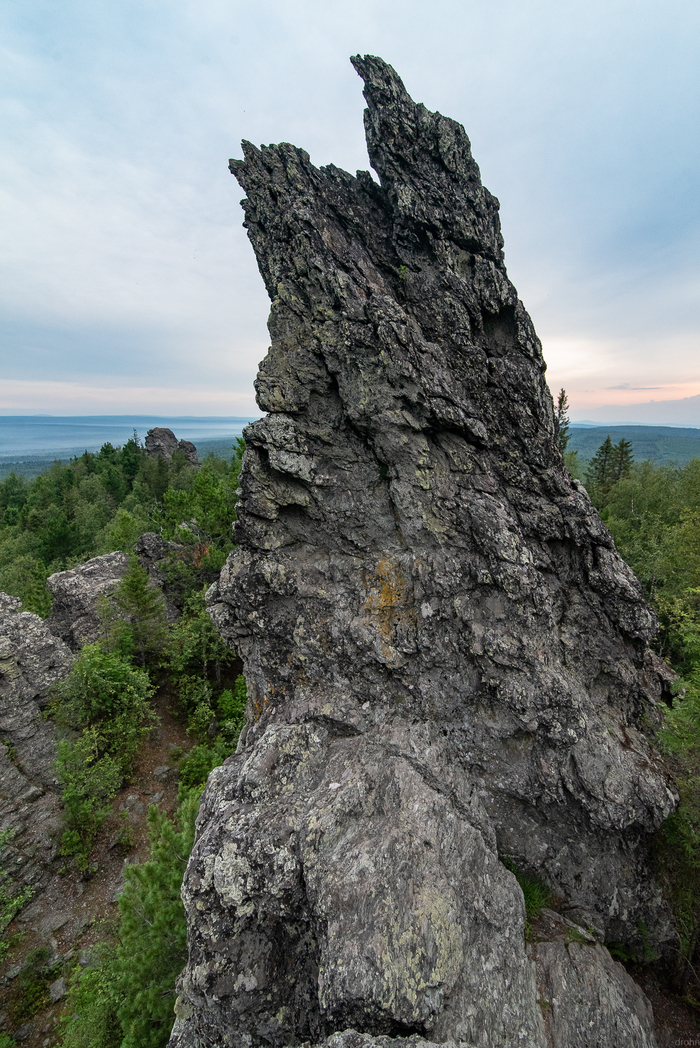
89,784
104,691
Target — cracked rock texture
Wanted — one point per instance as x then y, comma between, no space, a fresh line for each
446,657
76,594
31,661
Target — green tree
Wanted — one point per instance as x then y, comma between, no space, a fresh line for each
105,693
563,421
610,464
89,783
127,1000
622,460
196,650
134,616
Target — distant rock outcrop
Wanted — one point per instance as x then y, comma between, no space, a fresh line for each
446,657
31,661
162,443
77,592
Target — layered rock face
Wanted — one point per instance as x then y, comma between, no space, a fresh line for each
31,661
446,657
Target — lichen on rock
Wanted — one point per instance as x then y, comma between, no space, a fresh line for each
32,660
446,657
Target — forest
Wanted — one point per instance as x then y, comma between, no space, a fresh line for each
103,710
102,502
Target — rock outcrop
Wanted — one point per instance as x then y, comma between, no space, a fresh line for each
31,661
445,655
162,443
77,593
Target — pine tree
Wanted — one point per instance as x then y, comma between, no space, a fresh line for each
599,472
611,463
153,934
622,460
135,617
562,419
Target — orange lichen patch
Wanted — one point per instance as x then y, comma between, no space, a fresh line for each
201,550
389,600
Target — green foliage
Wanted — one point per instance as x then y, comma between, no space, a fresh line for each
231,709
571,461
105,693
93,1021
610,464
89,783
653,513
196,653
11,899
134,617
563,421
535,893
215,747
103,502
126,1000
106,700
31,989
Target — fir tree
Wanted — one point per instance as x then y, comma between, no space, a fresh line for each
135,617
610,464
621,461
562,418
598,474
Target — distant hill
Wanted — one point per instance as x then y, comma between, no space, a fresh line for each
660,443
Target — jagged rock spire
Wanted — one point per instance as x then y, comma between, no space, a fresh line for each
445,655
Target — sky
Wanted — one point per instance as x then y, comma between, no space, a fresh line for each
126,280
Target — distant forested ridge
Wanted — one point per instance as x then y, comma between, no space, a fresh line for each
99,503
662,444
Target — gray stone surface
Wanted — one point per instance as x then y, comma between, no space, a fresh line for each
162,443
446,658
57,990
74,614
588,999
31,661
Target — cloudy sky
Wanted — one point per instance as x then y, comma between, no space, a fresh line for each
127,283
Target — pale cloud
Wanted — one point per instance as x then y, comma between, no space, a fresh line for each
124,270
69,398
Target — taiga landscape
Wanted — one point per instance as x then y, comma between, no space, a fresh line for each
377,726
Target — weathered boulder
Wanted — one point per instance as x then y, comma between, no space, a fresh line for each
31,661
589,999
445,655
77,593
162,443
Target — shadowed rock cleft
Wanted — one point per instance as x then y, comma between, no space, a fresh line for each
446,657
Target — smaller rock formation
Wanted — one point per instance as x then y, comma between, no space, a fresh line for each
162,443
74,616
32,660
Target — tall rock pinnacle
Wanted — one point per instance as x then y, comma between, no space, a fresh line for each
446,657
